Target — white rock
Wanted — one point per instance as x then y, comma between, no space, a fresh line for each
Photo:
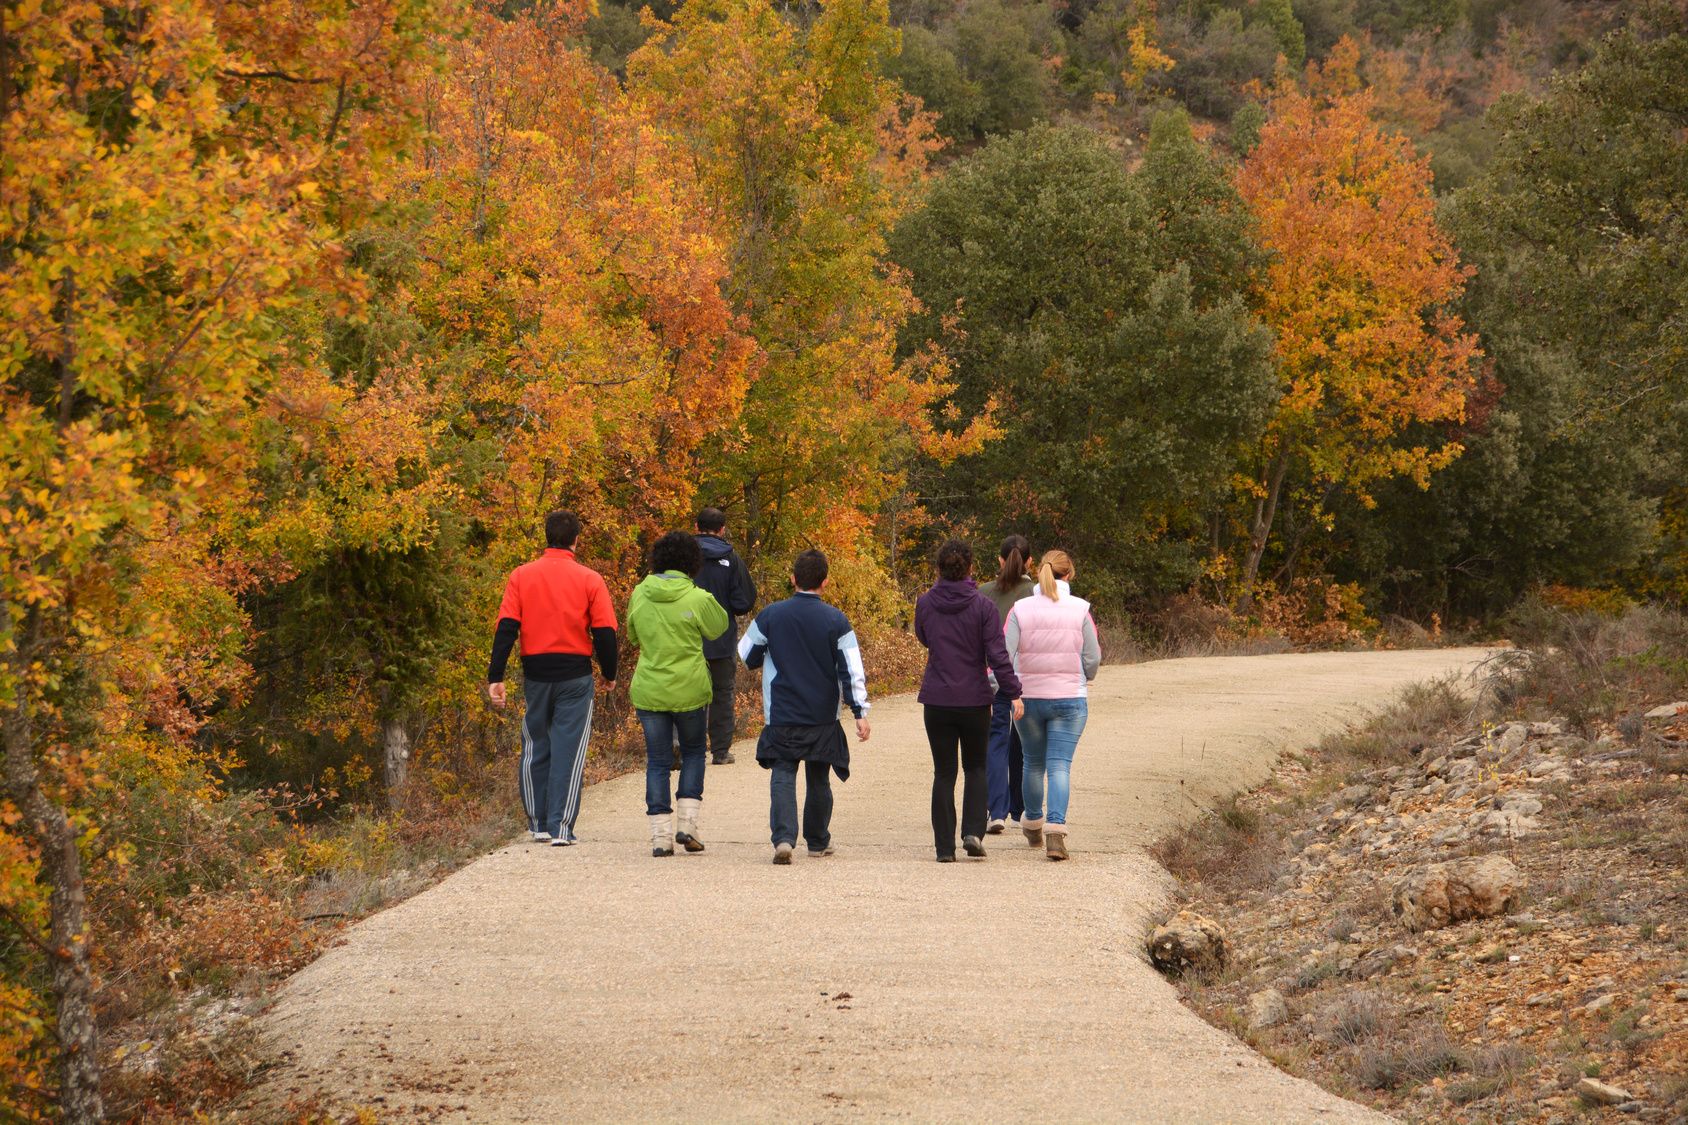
1523,806
1267,1008
1593,1090
1668,711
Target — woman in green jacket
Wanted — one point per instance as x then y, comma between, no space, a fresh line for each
669,618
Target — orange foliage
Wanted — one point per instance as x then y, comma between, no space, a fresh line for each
1357,294
1358,289
807,155
568,255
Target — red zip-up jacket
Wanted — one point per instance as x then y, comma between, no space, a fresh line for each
563,613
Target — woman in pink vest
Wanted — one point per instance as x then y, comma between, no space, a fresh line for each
1052,641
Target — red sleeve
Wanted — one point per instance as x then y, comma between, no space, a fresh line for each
600,610
511,606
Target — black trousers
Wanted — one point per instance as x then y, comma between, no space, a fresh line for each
723,677
947,729
817,804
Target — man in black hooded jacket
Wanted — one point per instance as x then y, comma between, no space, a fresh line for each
724,575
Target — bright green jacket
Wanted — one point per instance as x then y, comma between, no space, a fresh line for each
668,618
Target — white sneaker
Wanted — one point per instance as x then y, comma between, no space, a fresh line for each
562,842
995,827
542,837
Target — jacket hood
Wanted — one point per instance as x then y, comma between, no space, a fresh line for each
714,547
669,586
952,596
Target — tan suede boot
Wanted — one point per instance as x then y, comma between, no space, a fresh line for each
1055,841
1034,832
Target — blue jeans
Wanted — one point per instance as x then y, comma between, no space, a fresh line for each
1003,764
661,729
554,734
1048,736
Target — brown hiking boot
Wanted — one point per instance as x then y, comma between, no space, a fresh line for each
1055,845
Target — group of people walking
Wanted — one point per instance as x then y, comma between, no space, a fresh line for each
1003,690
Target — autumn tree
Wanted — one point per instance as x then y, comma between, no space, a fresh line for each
160,233
546,328
1357,295
142,264
806,157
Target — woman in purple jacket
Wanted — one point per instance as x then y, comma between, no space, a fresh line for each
962,632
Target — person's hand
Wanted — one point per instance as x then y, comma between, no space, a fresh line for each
606,685
495,692
863,730
1019,709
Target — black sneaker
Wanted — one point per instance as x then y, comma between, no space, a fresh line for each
973,846
947,858
725,759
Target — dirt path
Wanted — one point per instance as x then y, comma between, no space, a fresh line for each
598,984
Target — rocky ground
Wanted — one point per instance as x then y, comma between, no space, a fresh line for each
1454,921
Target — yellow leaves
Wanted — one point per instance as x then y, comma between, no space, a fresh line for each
1143,58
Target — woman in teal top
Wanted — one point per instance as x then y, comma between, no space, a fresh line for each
668,619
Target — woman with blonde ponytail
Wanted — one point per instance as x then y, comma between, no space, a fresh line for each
1051,638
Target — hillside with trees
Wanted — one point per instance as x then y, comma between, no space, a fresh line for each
1285,316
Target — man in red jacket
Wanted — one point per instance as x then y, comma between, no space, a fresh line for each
562,612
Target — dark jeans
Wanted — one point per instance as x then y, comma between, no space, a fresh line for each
817,804
723,677
946,729
554,733
1003,764
661,730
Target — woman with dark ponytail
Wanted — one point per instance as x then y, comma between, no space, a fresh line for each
963,636
1002,762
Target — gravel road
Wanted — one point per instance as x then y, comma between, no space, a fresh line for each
596,983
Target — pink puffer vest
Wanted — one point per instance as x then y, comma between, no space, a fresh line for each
1051,640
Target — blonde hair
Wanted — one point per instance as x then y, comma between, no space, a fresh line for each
1054,564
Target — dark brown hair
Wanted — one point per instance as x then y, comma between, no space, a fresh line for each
809,570
955,560
562,528
1015,553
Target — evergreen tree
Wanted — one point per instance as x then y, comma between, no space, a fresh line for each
1097,309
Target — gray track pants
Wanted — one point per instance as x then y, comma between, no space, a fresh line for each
554,734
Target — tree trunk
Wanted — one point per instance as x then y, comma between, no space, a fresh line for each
1260,528
68,938
752,521
395,746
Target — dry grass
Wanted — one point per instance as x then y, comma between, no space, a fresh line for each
1440,1029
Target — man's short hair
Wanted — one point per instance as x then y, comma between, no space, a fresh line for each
562,528
676,551
711,519
809,570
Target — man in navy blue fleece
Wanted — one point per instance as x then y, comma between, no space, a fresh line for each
810,662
